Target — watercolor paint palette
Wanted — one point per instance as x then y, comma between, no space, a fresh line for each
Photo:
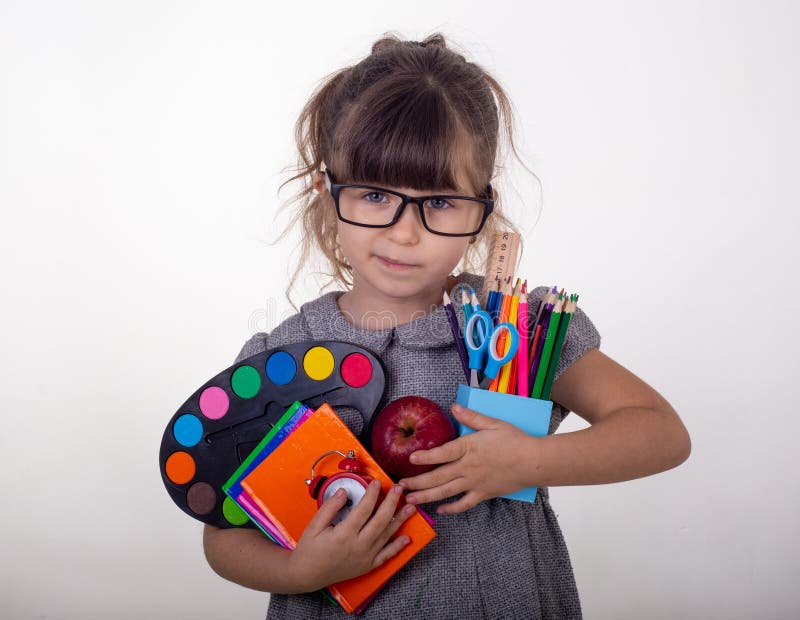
221,423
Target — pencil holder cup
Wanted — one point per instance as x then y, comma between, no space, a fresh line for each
532,415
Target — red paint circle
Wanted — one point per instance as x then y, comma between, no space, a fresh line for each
356,370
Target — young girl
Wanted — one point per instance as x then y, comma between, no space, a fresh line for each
417,119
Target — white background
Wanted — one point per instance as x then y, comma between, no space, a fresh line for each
141,149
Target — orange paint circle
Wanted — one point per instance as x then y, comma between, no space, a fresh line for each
180,467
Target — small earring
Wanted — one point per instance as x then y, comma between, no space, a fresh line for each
473,240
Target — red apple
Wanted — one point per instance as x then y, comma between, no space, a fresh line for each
405,425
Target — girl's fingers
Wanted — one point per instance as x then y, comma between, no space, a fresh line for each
389,505
361,512
391,550
447,452
382,524
473,419
443,491
432,478
327,512
400,517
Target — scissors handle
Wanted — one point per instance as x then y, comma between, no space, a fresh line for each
481,321
497,361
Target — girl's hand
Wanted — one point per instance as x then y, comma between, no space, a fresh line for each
327,554
485,464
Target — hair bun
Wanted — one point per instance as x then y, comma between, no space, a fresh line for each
392,41
434,40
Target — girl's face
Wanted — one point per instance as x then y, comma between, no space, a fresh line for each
404,261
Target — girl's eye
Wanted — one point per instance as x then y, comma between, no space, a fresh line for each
375,197
438,204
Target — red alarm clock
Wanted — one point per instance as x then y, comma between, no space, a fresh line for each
351,478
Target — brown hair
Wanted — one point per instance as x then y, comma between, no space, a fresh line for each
409,114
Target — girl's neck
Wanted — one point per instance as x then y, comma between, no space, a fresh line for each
373,311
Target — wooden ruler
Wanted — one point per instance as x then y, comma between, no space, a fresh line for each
503,258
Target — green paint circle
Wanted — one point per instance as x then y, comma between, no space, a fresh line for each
245,382
233,513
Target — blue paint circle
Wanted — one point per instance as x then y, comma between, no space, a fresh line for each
188,430
281,368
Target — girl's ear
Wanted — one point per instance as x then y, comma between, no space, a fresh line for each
318,182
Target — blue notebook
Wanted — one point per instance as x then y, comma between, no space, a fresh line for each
532,415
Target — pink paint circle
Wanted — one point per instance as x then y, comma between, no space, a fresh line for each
214,403
356,370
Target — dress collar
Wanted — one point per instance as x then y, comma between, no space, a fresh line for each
325,321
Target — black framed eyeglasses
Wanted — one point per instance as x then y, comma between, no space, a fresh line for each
378,207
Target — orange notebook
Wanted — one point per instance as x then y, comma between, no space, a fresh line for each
277,485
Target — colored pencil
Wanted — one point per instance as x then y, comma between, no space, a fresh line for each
505,344
569,311
457,336
547,347
499,300
490,300
542,332
466,306
522,352
532,350
549,297
512,376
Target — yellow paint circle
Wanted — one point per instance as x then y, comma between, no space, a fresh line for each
318,363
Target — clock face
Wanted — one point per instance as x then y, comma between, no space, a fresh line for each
352,484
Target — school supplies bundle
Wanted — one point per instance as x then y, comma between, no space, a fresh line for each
303,460
510,362
219,467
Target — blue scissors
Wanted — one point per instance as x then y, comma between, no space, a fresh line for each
482,348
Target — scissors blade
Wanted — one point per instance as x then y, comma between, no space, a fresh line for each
473,379
487,381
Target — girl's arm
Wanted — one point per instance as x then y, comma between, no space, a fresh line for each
249,558
634,432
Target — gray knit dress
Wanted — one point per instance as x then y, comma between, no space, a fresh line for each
501,559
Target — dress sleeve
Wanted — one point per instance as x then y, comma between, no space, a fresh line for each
582,336
254,345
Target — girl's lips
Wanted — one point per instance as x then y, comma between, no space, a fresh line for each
394,264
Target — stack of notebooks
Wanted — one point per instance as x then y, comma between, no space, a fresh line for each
270,487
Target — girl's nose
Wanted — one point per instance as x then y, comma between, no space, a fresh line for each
409,227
